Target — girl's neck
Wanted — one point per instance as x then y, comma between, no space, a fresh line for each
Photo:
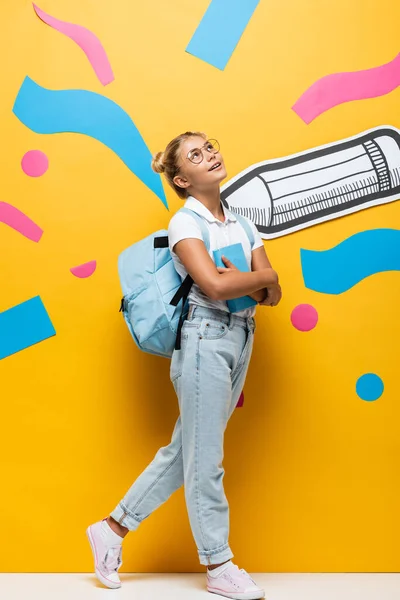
212,201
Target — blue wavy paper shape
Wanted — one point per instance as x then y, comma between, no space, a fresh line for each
364,254
81,111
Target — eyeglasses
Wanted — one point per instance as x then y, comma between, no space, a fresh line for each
196,155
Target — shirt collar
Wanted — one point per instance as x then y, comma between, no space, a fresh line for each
194,204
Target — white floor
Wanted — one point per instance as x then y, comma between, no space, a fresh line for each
188,586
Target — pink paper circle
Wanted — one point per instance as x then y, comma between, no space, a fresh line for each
304,317
34,163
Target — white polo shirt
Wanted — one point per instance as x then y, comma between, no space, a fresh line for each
183,226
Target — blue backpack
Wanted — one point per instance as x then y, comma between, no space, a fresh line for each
152,290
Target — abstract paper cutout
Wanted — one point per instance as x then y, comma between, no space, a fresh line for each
34,163
240,401
304,317
14,218
85,270
331,90
289,194
369,387
80,111
361,255
220,30
86,40
24,325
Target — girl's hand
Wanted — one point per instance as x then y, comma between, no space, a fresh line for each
259,294
274,296
229,266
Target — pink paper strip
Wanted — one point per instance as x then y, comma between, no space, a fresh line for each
240,401
11,216
86,40
85,270
338,88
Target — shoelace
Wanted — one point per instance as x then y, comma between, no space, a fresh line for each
112,559
244,573
248,576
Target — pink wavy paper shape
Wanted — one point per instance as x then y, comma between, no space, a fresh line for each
86,40
85,270
11,216
331,90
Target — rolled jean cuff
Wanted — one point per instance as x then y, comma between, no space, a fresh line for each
125,518
215,557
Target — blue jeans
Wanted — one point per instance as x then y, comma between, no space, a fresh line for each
208,374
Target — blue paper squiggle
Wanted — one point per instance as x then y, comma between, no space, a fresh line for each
364,254
80,111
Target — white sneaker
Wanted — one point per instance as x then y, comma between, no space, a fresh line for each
107,559
234,583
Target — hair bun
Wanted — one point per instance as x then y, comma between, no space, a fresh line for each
157,163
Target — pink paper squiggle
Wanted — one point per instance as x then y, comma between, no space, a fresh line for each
331,90
86,40
14,218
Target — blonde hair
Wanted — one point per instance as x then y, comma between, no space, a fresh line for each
167,162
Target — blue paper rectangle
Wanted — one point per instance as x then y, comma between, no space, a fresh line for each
235,254
220,30
24,325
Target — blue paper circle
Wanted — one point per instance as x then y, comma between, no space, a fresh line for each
369,387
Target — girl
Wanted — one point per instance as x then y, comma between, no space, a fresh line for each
208,373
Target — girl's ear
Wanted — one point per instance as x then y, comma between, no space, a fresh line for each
181,182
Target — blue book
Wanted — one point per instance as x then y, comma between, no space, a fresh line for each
235,254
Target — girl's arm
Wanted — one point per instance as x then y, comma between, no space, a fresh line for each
260,260
220,286
269,295
273,294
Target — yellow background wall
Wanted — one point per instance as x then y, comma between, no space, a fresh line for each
311,470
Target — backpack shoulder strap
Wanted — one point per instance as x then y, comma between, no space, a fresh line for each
247,229
204,230
185,287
